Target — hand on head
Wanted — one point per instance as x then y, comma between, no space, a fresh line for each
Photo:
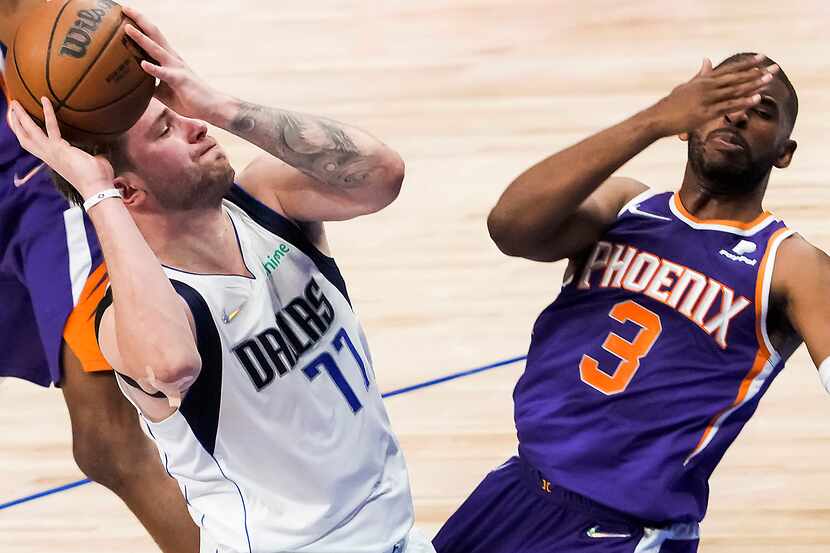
179,88
88,174
711,93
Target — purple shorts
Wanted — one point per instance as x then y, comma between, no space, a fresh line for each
47,253
515,510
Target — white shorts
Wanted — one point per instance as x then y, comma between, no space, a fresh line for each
415,542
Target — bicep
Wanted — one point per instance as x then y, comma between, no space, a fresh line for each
108,340
805,274
588,223
301,197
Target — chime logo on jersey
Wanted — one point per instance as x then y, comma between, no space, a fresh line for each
272,262
685,290
299,326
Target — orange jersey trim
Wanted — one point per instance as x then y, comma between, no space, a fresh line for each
79,331
762,356
722,222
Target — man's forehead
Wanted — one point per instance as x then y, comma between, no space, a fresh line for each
147,119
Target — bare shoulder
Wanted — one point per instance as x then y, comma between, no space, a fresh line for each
800,264
624,189
265,178
261,178
613,194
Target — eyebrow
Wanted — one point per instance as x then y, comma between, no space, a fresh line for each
162,116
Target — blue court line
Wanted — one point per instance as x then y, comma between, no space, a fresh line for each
427,384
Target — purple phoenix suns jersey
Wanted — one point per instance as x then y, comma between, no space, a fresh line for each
651,360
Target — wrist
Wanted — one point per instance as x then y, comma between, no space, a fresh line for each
221,110
98,197
652,124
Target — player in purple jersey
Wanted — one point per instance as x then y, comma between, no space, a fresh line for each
677,311
52,277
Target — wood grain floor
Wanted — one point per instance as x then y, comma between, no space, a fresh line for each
471,92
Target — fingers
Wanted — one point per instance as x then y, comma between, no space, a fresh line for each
741,77
148,27
28,128
150,46
161,73
741,90
52,129
17,127
737,104
705,68
740,65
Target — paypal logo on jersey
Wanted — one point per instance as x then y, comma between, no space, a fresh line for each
737,253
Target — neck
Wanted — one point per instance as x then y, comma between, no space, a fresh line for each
197,241
700,200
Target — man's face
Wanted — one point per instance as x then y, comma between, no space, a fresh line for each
734,153
179,164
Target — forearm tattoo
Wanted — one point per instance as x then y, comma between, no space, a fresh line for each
319,147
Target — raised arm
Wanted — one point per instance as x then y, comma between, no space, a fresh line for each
148,333
321,169
560,205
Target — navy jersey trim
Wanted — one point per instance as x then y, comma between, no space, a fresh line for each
288,230
200,406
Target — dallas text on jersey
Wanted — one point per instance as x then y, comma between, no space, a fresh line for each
299,325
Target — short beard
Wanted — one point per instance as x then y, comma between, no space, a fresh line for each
206,192
726,179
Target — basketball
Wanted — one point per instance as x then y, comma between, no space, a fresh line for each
75,53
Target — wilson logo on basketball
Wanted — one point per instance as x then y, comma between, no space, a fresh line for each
79,36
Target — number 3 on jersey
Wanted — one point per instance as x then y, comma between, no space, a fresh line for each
630,353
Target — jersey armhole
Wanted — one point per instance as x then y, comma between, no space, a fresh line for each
288,230
639,198
764,285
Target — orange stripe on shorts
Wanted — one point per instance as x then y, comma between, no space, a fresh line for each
79,332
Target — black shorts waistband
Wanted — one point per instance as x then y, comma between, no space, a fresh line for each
550,491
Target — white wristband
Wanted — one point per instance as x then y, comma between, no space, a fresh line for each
95,199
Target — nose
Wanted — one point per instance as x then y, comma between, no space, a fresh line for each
737,118
196,130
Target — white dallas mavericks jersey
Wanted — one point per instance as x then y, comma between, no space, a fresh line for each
283,443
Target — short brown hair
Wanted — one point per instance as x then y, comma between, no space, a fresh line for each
114,151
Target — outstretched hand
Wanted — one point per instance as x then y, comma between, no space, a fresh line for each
180,88
88,174
712,93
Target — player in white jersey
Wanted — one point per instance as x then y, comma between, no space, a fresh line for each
229,325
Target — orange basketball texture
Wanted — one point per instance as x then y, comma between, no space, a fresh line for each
75,53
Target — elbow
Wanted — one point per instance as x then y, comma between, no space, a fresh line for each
390,180
503,234
177,367
394,171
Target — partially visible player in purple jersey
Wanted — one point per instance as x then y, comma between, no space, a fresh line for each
52,277
677,311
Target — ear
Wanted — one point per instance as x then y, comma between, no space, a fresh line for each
131,195
786,155
684,136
